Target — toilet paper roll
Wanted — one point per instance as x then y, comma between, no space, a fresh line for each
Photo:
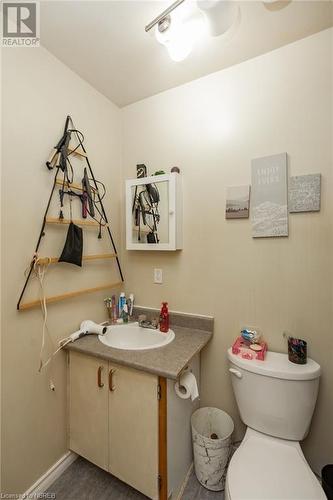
186,387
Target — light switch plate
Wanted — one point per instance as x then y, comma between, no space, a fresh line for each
158,276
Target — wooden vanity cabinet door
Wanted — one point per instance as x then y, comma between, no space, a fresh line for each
88,408
133,428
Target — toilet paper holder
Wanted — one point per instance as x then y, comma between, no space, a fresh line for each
186,369
188,389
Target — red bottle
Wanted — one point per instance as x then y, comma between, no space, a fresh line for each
164,318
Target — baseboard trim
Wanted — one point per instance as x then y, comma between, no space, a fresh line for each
45,481
183,486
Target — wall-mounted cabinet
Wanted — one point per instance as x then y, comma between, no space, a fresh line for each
154,213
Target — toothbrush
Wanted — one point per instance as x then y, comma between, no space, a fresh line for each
114,309
130,304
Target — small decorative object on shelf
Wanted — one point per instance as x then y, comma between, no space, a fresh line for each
244,349
141,171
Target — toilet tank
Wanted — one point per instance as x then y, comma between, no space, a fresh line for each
275,396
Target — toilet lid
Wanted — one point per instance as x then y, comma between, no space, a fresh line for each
265,468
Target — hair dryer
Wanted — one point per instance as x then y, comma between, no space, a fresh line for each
88,327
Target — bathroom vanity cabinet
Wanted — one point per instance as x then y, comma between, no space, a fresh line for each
131,423
124,414
114,414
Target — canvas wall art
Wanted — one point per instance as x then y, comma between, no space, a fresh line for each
237,202
269,196
304,193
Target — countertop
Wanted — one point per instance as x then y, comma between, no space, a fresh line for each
167,361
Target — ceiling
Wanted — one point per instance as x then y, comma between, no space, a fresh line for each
105,42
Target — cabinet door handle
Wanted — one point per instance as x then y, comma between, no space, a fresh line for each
99,377
111,386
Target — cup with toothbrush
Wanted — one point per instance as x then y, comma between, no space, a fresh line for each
111,307
108,305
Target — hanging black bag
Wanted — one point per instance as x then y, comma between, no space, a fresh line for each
72,252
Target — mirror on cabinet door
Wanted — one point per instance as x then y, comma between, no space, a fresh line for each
154,213
150,213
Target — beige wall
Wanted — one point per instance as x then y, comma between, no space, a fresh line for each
1,120
212,128
38,93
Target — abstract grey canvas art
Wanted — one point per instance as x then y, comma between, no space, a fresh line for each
269,196
237,202
304,193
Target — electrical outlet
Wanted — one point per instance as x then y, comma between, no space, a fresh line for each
158,276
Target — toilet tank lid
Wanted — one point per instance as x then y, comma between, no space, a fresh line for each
277,365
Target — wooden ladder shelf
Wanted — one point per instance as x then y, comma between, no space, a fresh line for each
69,295
60,156
54,260
77,152
78,222
72,185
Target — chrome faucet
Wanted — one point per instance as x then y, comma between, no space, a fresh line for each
144,323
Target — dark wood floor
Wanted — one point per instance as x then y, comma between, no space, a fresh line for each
84,481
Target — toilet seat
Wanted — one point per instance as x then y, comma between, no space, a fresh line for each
269,468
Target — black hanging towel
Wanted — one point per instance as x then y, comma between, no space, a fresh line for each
72,252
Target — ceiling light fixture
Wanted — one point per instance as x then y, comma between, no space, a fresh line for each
179,35
220,15
170,30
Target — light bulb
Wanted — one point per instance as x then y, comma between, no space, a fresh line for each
179,37
179,48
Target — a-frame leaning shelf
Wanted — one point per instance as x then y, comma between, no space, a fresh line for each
80,222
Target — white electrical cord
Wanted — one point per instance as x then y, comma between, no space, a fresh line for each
87,326
40,271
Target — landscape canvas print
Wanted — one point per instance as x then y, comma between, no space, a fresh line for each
269,196
237,202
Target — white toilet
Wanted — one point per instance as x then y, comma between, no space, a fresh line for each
276,400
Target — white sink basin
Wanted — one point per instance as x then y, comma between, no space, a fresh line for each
135,338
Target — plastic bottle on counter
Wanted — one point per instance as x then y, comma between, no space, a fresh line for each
121,303
164,318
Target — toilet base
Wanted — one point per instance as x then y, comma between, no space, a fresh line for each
269,468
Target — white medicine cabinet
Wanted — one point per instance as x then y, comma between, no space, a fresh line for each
154,212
